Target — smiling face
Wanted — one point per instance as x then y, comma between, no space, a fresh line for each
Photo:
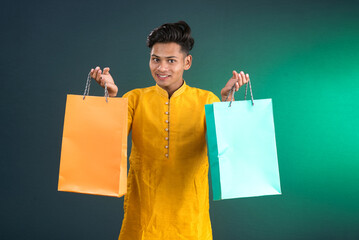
167,65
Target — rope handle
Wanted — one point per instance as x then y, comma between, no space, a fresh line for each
245,95
87,88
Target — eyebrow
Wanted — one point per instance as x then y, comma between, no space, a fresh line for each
154,55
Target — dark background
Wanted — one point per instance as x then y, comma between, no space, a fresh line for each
302,54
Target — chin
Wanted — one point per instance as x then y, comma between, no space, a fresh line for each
162,84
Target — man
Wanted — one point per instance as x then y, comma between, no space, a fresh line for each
167,196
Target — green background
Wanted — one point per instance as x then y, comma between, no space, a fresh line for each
302,54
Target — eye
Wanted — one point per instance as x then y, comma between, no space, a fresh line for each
155,60
171,60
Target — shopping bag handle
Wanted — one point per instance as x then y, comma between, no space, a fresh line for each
245,94
87,88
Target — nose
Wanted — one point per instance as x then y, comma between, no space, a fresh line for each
162,66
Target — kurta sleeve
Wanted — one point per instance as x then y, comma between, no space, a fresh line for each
132,97
212,98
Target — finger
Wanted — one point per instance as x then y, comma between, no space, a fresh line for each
237,75
98,76
247,77
243,78
91,72
231,83
237,86
94,73
234,74
240,80
233,80
106,70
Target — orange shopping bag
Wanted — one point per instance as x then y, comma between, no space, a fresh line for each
94,145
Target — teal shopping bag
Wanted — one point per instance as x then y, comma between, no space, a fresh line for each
242,149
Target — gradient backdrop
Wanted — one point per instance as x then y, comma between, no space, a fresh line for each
302,54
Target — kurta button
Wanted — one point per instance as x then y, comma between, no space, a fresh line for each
166,113
166,146
166,103
166,121
166,138
166,129
166,155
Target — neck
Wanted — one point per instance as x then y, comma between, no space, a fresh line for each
171,91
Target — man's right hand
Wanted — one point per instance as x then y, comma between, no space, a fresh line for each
105,77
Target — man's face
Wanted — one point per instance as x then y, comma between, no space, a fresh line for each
167,64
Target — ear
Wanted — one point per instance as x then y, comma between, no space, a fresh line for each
187,62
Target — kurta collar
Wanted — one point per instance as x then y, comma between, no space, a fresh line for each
179,91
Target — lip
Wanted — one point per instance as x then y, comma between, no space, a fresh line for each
162,76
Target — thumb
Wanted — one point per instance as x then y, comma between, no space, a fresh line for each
234,74
106,70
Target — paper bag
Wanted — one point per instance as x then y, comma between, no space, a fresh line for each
242,149
94,146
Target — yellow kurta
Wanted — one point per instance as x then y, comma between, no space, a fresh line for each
167,195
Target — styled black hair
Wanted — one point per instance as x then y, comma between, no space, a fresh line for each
178,32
